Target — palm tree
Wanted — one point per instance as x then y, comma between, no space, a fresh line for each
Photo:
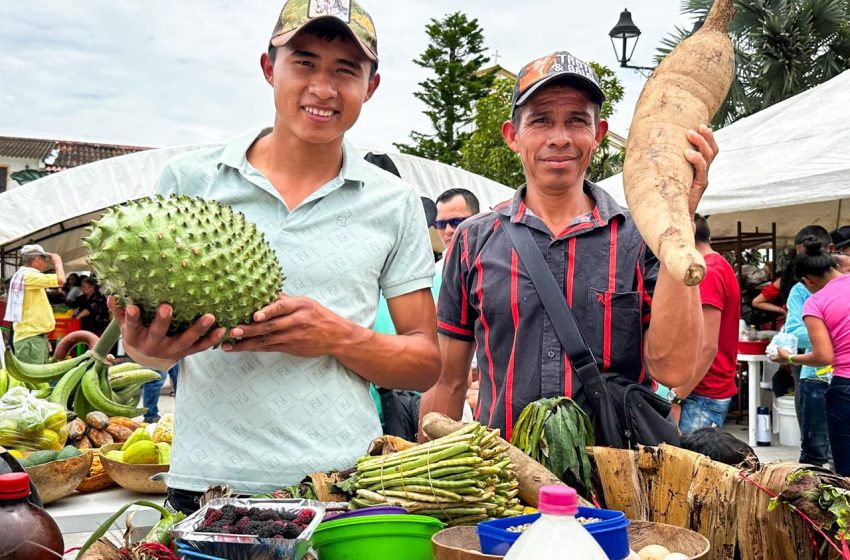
783,47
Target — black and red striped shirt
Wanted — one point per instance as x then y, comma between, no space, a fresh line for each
607,275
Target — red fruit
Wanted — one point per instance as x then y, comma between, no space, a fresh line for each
242,524
211,517
304,517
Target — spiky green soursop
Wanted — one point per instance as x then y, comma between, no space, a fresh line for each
198,255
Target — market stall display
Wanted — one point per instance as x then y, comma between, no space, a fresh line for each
673,498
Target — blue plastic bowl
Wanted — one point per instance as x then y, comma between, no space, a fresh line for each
611,532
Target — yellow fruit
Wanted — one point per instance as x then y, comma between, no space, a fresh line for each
56,420
16,454
115,455
163,453
141,453
138,435
48,440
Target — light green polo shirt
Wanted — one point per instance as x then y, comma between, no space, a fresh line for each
260,421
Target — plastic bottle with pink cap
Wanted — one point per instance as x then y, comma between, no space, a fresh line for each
556,534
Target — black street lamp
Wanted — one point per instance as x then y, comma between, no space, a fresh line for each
625,31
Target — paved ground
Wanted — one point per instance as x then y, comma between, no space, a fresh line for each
775,452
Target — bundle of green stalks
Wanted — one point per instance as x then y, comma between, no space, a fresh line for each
462,478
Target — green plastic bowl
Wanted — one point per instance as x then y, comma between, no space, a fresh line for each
377,537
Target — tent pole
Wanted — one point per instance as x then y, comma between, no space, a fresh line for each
740,259
773,247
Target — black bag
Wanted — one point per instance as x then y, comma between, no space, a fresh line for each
401,413
624,413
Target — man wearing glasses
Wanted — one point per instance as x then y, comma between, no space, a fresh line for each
453,207
28,308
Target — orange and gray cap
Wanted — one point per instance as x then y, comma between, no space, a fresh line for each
561,66
296,14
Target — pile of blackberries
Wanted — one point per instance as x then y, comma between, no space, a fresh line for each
261,522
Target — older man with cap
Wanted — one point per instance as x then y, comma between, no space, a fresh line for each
288,394
27,306
592,248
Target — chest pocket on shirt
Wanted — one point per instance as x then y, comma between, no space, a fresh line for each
614,323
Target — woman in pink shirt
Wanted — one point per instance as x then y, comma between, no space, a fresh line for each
827,318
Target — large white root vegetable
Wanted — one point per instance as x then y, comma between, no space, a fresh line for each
686,90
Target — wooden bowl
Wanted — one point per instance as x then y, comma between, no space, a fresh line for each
459,543
96,479
57,479
674,539
132,477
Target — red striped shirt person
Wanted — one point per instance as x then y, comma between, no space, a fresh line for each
637,319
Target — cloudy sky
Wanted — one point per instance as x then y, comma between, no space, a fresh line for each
170,72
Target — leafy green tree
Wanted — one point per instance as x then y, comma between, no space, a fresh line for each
782,47
486,153
455,56
607,160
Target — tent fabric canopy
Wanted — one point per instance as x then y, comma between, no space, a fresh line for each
788,164
54,210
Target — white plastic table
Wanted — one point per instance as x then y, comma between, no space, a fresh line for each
755,363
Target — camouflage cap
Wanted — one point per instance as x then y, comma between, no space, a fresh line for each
298,13
559,65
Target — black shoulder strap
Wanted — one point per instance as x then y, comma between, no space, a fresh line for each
554,302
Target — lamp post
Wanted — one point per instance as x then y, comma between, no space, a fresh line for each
626,31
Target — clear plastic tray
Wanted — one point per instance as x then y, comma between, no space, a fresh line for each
248,547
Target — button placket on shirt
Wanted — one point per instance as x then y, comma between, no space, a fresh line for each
551,367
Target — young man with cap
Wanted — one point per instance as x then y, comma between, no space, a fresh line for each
27,306
593,249
290,396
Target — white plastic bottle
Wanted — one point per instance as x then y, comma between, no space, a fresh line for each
556,535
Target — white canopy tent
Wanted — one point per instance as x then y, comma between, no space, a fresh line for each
54,210
788,164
